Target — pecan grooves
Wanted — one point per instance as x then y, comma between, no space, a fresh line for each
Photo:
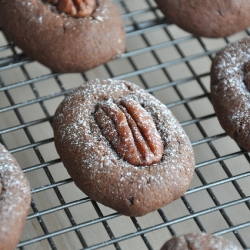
131,131
76,8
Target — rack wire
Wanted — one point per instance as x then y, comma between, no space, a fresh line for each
174,66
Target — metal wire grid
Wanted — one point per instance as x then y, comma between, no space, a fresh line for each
143,21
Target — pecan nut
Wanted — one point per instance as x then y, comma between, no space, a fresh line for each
76,8
130,130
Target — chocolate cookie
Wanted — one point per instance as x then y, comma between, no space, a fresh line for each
198,241
230,84
207,18
64,35
123,147
14,200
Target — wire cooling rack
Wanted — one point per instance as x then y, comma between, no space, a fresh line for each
174,66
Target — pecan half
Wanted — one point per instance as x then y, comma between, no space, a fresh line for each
131,131
76,8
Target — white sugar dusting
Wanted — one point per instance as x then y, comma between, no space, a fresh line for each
49,11
15,189
199,241
40,19
99,18
230,76
176,165
211,242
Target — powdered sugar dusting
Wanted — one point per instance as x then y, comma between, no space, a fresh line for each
198,241
100,14
44,11
76,116
229,92
14,199
230,75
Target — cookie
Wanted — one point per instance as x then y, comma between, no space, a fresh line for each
123,147
207,18
198,241
14,200
64,35
230,84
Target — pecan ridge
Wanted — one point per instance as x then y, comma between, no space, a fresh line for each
130,130
76,8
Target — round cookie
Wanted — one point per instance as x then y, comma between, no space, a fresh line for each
230,90
61,41
207,18
198,241
123,147
14,200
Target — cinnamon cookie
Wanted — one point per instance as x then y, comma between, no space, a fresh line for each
207,18
230,85
64,35
14,200
123,147
199,241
